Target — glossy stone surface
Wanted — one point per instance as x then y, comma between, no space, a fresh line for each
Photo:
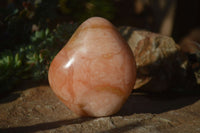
94,73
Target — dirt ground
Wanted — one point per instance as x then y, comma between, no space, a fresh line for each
37,109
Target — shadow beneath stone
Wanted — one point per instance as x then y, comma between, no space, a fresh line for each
43,126
9,97
14,93
155,103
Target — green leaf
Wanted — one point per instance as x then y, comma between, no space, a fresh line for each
18,62
47,31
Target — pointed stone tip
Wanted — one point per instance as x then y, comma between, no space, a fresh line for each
96,19
96,22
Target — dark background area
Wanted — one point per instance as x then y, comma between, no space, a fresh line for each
144,14
187,18
186,15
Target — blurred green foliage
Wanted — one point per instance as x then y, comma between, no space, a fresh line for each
32,61
33,31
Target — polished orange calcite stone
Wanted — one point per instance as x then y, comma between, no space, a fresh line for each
94,73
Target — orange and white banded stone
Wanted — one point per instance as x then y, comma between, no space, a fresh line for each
94,73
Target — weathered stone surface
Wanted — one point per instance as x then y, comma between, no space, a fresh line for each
39,110
160,63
